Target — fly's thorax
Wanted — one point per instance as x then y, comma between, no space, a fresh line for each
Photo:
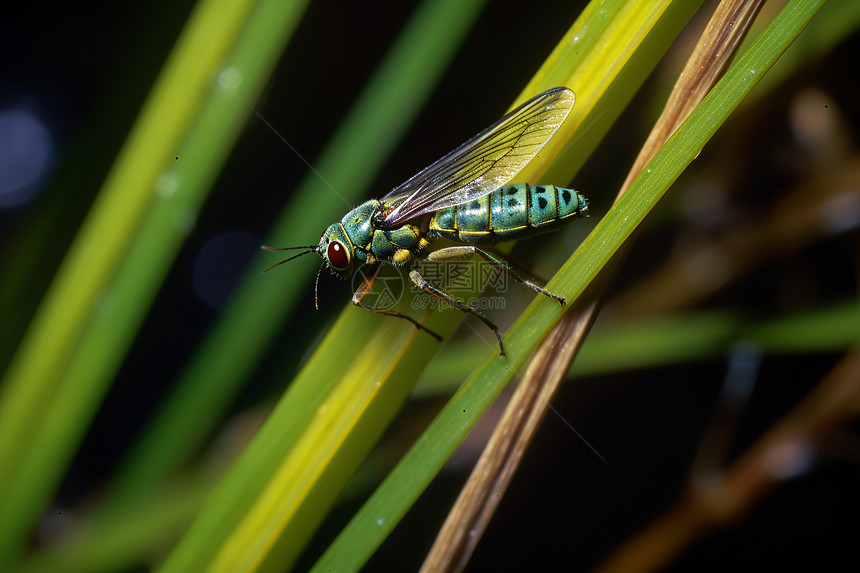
374,243
357,240
358,223
398,245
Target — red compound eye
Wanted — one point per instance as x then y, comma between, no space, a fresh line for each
337,256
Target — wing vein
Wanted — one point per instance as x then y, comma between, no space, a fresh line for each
485,162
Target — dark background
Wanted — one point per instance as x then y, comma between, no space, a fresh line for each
84,70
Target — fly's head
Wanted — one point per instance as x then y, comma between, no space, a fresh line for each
336,250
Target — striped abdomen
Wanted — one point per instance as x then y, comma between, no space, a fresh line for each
509,212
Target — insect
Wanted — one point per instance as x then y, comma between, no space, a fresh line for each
463,197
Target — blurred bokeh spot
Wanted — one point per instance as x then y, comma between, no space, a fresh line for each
26,151
219,265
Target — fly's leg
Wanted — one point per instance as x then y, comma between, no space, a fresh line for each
463,251
365,287
428,288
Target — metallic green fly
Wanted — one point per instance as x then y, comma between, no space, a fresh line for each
463,197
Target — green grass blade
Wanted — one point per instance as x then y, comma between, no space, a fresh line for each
651,343
122,540
378,119
112,272
413,473
248,325
619,78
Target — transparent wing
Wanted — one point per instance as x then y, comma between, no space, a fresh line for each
484,163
